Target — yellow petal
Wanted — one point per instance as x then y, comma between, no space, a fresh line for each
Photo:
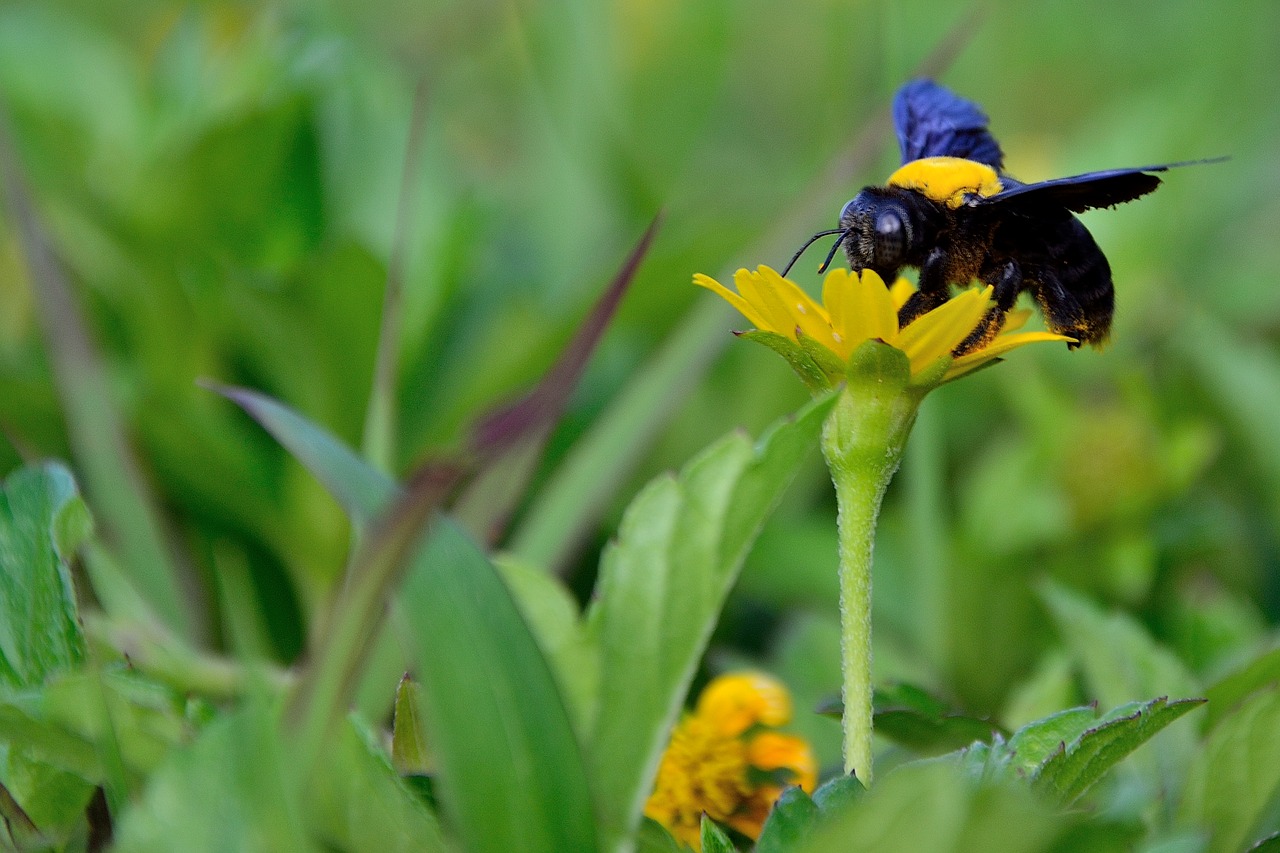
1015,320
871,311
778,318
777,751
836,293
808,315
1001,345
745,308
901,292
937,333
734,703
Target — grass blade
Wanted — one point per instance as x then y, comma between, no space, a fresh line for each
361,489
511,775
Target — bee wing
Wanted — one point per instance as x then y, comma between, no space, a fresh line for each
932,121
1079,193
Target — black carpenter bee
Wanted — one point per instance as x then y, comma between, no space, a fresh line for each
952,212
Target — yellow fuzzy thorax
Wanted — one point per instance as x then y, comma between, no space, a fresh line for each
947,179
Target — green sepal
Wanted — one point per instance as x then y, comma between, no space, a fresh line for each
879,368
813,376
931,377
873,414
830,363
981,367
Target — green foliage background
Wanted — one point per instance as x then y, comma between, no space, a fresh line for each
223,183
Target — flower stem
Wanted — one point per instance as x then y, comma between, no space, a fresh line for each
862,441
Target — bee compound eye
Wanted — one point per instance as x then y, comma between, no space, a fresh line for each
890,237
889,223
847,210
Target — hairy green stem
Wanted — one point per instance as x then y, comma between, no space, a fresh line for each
862,441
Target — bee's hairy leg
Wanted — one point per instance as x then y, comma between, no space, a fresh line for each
1006,281
1064,314
933,289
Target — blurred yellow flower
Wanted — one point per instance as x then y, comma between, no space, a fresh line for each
727,761
858,307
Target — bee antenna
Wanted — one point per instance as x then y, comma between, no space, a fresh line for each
832,253
807,243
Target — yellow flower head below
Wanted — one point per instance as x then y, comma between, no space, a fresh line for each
858,307
726,760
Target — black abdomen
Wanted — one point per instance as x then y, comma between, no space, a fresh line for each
1067,272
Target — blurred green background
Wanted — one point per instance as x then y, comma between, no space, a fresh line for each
222,182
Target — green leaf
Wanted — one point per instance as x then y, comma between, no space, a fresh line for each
42,522
229,790
1270,844
791,820
76,718
714,839
662,585
510,773
552,614
20,829
358,802
1032,744
65,724
654,838
1235,777
837,794
933,805
408,739
356,639
1122,663
912,717
362,490
39,801
1070,772
1029,747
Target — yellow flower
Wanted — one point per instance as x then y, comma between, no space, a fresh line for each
858,307
727,761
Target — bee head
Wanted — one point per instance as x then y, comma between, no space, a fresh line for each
877,232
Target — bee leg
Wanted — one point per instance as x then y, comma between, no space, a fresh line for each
1064,313
933,290
1006,280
